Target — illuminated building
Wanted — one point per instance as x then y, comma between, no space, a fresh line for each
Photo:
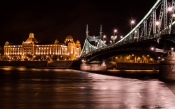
1,52
31,49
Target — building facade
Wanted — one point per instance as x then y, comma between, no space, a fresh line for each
31,49
1,52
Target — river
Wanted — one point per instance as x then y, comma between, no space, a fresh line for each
32,88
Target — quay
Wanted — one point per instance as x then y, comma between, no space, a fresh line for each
130,70
68,64
38,64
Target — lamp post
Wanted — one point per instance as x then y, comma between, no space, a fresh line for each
114,37
132,23
172,16
104,37
158,25
170,10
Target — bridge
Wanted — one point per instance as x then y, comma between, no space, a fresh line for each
154,34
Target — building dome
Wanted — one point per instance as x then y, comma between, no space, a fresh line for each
68,39
31,38
77,42
6,43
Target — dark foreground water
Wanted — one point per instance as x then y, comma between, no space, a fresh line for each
31,88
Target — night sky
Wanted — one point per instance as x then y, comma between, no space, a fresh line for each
50,20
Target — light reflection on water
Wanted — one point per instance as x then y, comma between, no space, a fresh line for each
32,88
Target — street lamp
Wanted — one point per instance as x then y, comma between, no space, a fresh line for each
104,37
110,41
158,26
157,23
170,9
114,37
132,23
115,31
172,16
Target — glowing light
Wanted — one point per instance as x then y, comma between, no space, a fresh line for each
104,36
173,15
132,22
172,49
157,23
170,9
115,30
152,48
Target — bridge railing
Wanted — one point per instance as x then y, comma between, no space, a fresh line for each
157,26
130,40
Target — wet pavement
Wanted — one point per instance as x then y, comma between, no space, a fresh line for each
71,89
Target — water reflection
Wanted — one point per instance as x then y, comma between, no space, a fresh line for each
31,88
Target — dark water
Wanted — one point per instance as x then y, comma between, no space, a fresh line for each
30,88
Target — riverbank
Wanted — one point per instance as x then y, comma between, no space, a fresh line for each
135,66
38,64
137,74
125,70
68,65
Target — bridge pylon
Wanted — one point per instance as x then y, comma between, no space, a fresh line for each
167,68
92,42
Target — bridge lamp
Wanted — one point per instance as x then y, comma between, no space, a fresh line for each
135,34
104,37
113,38
115,31
132,23
173,15
83,61
111,41
157,23
170,9
172,49
121,37
152,48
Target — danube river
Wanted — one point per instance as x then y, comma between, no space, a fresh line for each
32,88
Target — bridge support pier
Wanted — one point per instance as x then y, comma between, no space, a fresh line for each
167,68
